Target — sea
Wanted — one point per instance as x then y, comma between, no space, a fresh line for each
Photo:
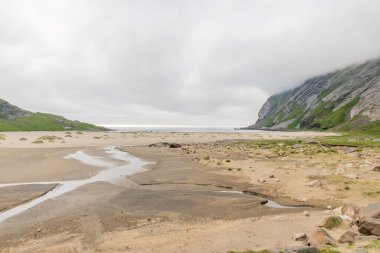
177,129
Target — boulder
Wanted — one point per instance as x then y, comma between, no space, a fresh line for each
174,145
377,169
348,237
351,210
300,237
320,237
371,211
369,226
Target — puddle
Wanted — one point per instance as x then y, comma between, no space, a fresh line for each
267,203
274,204
231,192
110,174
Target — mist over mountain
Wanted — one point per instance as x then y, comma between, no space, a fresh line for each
347,99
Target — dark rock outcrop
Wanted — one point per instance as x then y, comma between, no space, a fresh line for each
347,98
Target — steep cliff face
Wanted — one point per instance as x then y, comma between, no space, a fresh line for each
343,100
13,118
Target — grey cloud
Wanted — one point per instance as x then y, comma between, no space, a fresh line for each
174,62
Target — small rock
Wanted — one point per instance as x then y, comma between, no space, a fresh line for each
302,199
262,180
315,183
306,213
352,176
377,169
348,237
360,250
39,230
329,207
301,237
360,155
311,141
320,237
159,144
174,145
297,146
350,210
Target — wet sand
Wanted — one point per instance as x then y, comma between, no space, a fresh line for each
180,204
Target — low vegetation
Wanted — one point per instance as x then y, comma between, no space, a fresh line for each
373,245
49,138
44,122
328,250
333,222
249,251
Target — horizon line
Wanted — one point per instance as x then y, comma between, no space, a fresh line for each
165,126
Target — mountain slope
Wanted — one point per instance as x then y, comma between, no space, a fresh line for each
346,99
13,118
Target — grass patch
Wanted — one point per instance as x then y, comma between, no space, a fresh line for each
249,251
49,138
328,250
2,137
206,158
333,222
38,142
372,194
353,139
23,139
373,245
44,122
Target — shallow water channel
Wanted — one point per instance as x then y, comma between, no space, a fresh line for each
111,174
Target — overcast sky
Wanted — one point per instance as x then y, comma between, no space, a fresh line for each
206,62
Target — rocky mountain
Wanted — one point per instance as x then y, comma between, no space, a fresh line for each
13,118
346,99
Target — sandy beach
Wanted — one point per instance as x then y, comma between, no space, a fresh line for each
206,196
